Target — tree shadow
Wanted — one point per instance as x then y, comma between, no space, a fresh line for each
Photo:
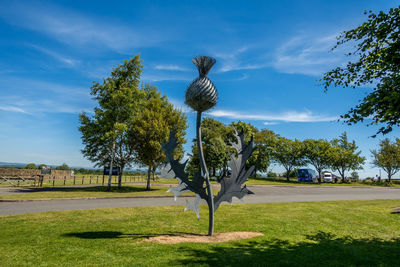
116,234
124,189
320,249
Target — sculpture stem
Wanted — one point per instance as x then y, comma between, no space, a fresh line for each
210,200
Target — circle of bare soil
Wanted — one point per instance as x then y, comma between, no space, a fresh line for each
202,238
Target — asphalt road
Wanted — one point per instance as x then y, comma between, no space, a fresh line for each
263,194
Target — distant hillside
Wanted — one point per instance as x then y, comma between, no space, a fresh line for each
12,164
20,165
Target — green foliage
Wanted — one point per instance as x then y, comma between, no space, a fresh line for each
31,166
377,53
387,157
106,134
41,166
292,173
63,166
355,176
272,175
217,137
214,135
288,153
264,141
151,127
318,153
345,156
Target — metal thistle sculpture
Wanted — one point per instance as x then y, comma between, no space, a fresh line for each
201,95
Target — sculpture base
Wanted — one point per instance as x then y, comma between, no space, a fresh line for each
202,238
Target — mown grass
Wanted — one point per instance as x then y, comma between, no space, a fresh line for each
86,192
293,181
345,233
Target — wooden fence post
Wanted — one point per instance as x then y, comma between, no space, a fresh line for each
65,177
103,181
97,179
82,178
74,179
90,179
54,178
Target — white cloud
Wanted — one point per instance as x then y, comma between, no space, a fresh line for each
64,59
308,55
231,61
180,105
170,67
13,109
152,77
289,116
270,123
36,96
77,29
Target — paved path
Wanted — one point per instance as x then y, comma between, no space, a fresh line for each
263,194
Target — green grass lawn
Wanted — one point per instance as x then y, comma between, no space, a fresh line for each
275,181
83,192
345,233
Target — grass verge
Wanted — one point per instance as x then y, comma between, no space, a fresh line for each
84,192
345,233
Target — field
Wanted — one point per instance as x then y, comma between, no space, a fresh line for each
345,233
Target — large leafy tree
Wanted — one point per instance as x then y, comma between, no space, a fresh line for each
318,153
215,148
345,156
151,127
63,167
264,141
260,157
387,157
107,133
376,63
30,166
288,153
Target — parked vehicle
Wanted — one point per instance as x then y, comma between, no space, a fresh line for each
307,175
327,177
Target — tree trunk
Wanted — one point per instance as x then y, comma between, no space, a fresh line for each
319,176
111,166
210,200
121,169
148,178
389,177
343,179
288,174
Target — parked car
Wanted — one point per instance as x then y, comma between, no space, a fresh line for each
327,177
307,175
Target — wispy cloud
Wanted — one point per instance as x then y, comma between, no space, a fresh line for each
35,96
232,61
74,28
170,67
157,77
64,59
13,109
271,123
289,116
308,55
180,105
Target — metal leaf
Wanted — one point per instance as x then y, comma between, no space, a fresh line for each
194,205
232,186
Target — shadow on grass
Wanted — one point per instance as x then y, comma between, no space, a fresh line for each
114,234
321,249
124,189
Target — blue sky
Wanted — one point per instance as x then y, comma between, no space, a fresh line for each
269,54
